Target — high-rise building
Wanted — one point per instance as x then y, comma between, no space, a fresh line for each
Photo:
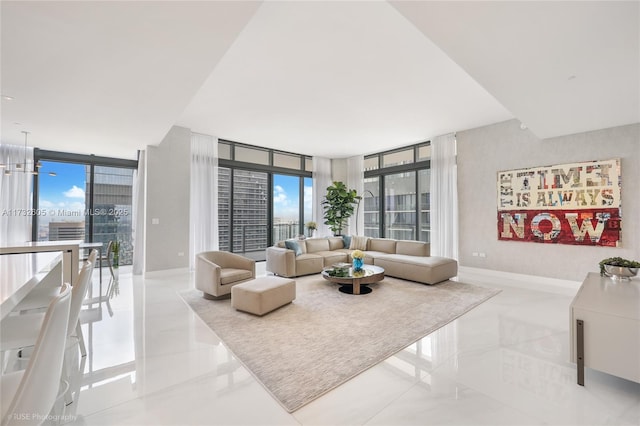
250,210
66,231
111,215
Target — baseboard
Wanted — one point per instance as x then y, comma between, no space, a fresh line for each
533,282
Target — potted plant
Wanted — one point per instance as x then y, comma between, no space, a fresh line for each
338,205
311,226
617,267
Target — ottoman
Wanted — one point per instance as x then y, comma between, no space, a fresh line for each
262,295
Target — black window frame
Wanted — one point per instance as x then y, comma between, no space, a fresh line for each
67,157
270,170
382,172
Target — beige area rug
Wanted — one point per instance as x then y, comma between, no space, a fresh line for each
325,337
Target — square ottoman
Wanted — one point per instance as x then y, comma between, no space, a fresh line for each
262,295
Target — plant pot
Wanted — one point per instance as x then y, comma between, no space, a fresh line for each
620,272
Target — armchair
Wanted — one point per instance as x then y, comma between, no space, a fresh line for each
218,271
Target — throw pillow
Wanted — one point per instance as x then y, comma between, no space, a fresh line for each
293,245
358,243
346,240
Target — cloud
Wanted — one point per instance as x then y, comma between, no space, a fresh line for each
74,192
280,196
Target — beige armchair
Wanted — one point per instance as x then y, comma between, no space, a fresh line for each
218,271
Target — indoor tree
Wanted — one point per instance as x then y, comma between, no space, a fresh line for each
338,206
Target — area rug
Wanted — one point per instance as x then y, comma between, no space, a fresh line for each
325,337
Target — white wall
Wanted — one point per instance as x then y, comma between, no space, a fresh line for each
484,151
168,180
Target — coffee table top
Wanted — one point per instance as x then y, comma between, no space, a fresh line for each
370,274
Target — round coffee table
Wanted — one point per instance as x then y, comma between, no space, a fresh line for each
356,283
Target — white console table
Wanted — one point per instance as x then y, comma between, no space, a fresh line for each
69,249
605,327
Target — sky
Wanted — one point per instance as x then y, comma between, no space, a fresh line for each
64,191
286,197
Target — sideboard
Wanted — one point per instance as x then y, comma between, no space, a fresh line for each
605,327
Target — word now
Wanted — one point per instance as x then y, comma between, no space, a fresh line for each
585,227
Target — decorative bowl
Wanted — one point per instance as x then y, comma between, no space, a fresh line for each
620,272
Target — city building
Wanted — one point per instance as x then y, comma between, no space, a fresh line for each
66,231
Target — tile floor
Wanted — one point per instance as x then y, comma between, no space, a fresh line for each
505,362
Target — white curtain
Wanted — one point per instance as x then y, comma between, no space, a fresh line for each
203,211
355,180
321,180
444,197
15,195
137,231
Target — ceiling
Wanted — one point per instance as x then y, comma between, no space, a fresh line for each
333,79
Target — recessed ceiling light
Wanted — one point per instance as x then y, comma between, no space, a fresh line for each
523,126
7,98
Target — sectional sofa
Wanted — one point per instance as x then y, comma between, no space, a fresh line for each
409,260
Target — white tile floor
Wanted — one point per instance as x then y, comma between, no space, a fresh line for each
506,362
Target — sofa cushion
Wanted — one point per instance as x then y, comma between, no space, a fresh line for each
293,245
335,243
369,256
346,241
232,275
382,245
412,248
317,244
309,264
358,242
331,257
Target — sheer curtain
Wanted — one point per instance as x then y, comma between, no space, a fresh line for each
15,193
444,197
355,180
137,231
203,211
321,180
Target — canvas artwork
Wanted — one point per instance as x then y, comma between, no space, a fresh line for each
577,203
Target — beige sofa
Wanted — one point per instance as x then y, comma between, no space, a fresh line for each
409,260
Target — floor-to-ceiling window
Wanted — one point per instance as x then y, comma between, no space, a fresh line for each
86,198
263,196
424,198
402,177
400,206
286,207
371,199
307,202
63,196
250,211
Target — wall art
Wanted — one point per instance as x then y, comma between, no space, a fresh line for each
578,203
